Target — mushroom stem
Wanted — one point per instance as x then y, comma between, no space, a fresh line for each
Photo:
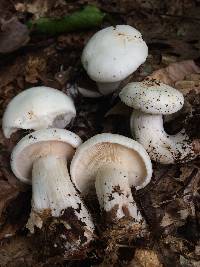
55,196
114,194
108,88
167,149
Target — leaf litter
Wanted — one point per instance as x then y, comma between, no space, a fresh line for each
170,203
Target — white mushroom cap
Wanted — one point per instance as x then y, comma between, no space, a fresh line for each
110,148
37,108
114,53
152,97
58,142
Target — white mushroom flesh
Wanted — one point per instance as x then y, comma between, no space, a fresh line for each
148,130
42,157
53,191
112,162
114,193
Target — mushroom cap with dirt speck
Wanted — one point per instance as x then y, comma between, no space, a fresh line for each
38,108
109,148
152,97
114,53
57,142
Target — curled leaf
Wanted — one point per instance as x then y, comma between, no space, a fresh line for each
13,35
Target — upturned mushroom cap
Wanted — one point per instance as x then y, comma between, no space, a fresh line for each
152,97
57,142
114,53
38,108
108,148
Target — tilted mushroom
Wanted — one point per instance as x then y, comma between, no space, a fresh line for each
112,54
41,158
152,99
38,108
113,164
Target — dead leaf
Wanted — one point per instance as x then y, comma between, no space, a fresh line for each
145,258
166,220
13,35
39,8
165,202
175,72
34,68
191,82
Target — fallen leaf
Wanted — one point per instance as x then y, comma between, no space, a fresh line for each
191,82
13,35
88,17
165,203
166,220
145,258
175,72
34,69
38,8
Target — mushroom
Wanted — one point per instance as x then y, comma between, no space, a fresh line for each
38,108
112,54
41,158
113,164
152,99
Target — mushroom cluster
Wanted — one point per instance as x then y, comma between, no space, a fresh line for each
112,163
41,158
57,163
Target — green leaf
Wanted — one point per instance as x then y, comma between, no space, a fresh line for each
87,18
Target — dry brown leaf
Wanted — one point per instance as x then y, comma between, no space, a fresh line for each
13,35
175,72
38,8
34,69
169,200
145,258
166,220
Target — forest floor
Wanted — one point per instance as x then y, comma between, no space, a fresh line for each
171,202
